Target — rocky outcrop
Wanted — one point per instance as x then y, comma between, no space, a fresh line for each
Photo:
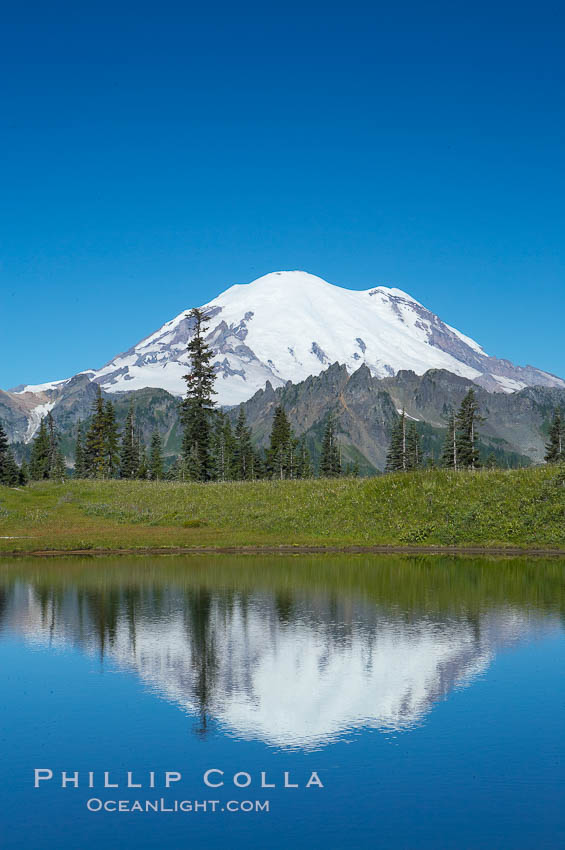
365,408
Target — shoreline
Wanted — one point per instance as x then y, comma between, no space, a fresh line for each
299,549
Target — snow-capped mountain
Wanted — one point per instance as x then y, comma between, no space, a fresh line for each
288,325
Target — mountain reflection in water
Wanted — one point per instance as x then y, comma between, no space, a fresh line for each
293,652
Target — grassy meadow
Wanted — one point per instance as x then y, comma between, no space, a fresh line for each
489,508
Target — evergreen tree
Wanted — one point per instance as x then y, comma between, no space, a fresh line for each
57,467
555,447
79,471
413,447
222,448
53,438
330,461
9,472
193,464
143,468
3,444
156,457
198,405
111,441
24,473
172,474
95,454
243,456
281,454
467,421
304,467
394,453
397,456
139,450
39,463
257,466
58,471
449,454
491,461
177,470
292,457
7,462
129,449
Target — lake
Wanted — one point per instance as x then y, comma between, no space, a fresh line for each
276,702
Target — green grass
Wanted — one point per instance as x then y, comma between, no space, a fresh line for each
489,508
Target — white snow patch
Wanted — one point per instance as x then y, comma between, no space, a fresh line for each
509,385
35,415
407,415
40,388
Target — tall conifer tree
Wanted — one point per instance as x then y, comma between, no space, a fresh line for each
555,447
95,443
257,465
58,471
143,468
56,464
39,463
413,447
24,473
222,447
449,452
129,449
79,471
4,456
192,466
397,456
304,467
53,438
280,456
3,443
467,421
111,441
243,458
198,405
330,463
156,457
9,472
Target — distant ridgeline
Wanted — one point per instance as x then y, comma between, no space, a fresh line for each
362,413
331,424
405,389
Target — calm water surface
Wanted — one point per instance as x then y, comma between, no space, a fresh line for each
425,695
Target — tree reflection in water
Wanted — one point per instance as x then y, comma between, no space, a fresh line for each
290,651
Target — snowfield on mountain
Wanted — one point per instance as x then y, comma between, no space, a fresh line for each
286,326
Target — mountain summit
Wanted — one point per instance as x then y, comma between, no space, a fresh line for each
288,325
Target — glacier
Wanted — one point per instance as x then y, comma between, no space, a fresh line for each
288,325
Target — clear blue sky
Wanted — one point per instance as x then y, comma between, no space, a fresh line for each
152,154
